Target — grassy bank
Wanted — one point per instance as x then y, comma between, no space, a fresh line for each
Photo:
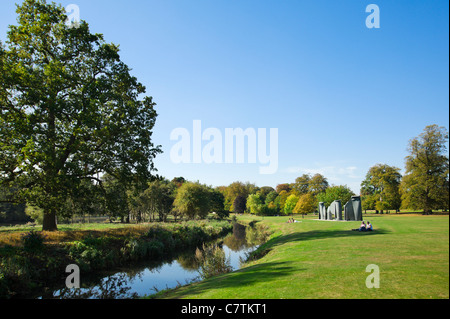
30,261
325,259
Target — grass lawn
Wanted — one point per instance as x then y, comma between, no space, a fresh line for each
324,259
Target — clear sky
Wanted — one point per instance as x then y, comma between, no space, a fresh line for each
342,96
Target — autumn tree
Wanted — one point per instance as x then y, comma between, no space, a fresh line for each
283,187
70,110
306,204
232,191
290,203
270,198
280,201
178,181
255,204
301,185
317,184
193,200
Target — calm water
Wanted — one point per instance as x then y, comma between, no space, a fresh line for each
148,278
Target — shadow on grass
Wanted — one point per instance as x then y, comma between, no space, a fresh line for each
320,234
248,276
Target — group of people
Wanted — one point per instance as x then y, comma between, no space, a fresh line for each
364,227
292,220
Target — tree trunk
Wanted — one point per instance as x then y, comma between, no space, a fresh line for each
49,222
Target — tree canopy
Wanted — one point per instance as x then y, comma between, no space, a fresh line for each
305,204
193,200
340,192
425,184
381,187
70,110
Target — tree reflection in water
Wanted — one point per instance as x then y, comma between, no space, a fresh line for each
112,287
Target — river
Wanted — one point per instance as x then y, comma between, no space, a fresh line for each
146,278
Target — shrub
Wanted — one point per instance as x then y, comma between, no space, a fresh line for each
33,241
155,248
86,257
133,249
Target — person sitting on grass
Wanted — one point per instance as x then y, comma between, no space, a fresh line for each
361,228
369,226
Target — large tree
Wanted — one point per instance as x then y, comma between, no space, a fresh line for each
193,200
232,191
158,198
301,185
70,110
425,184
382,186
255,204
306,204
318,184
239,204
290,203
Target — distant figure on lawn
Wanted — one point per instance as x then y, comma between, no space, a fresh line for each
361,228
364,227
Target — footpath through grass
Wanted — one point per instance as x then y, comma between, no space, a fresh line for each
325,259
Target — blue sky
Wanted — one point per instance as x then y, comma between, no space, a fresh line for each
343,97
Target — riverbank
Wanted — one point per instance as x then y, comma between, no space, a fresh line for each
32,261
313,259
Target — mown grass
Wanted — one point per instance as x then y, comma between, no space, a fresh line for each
316,259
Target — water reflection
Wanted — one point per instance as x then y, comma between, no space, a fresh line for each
146,279
237,240
112,287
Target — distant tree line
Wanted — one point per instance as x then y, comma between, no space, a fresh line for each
425,187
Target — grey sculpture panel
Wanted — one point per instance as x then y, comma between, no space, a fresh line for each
357,209
348,212
334,211
353,209
337,209
322,211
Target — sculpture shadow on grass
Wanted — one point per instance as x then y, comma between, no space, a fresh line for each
265,272
320,234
